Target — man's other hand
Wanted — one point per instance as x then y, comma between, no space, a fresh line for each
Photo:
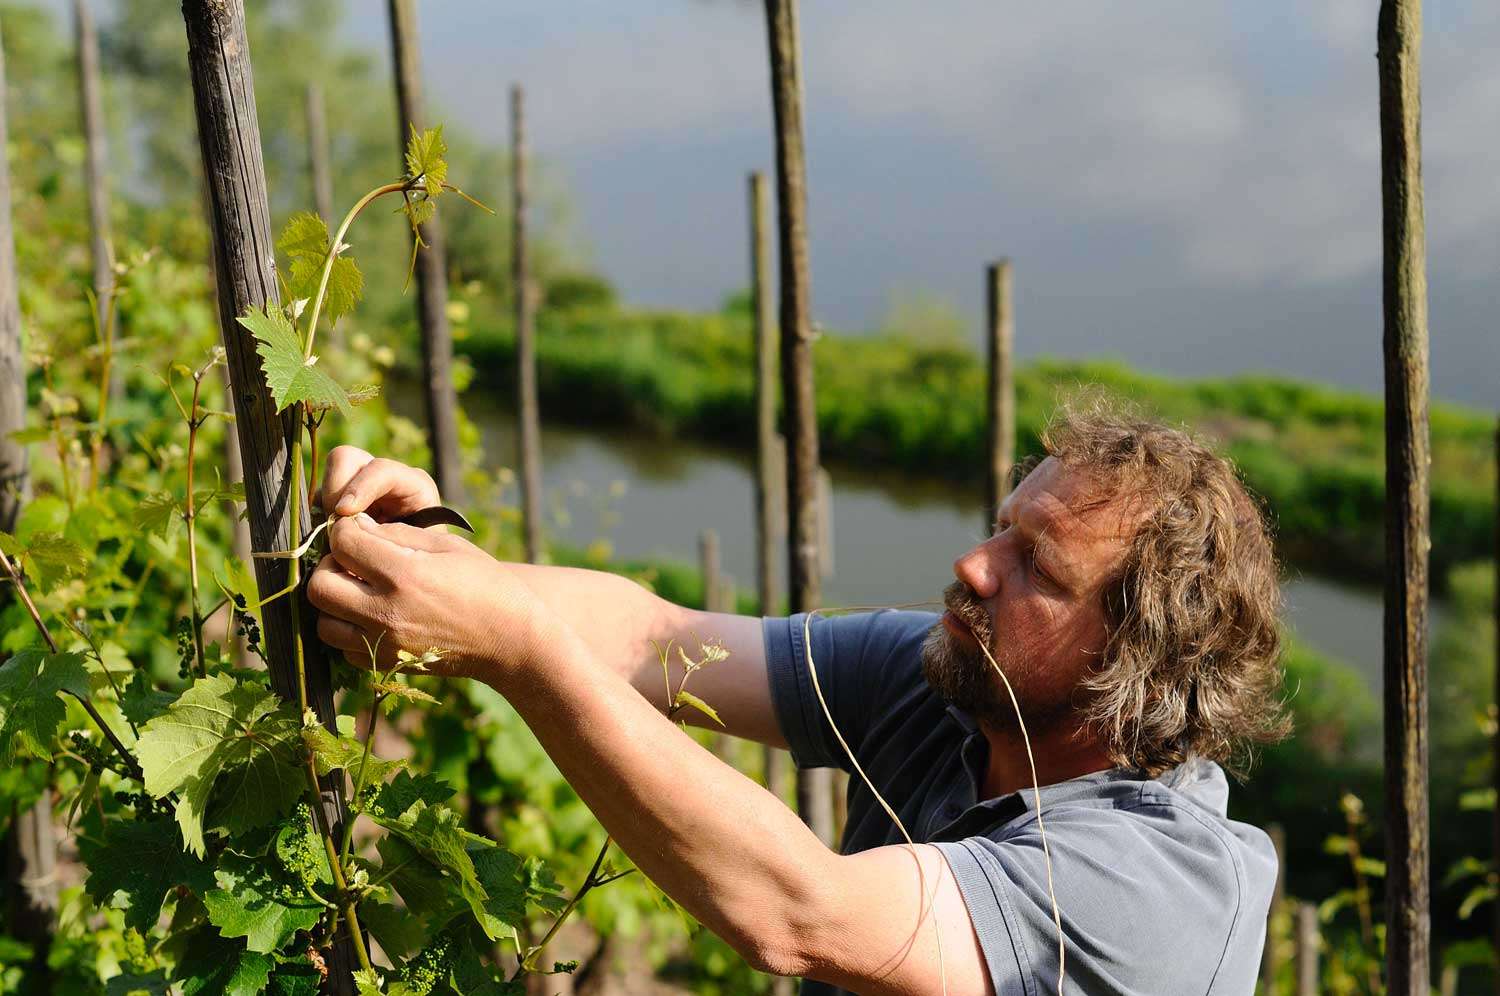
354,481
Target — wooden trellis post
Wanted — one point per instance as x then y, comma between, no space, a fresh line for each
95,174
1307,950
317,155
1407,461
1270,963
31,845
528,417
432,273
240,226
814,785
1000,334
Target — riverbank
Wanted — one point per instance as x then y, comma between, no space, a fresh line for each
1313,453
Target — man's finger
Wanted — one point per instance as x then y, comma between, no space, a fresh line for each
386,488
339,468
334,591
361,547
341,634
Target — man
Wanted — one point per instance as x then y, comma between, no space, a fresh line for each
1128,594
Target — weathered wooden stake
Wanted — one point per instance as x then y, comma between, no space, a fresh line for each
1307,950
1270,963
240,225
1407,459
1000,328
529,420
825,524
317,155
31,844
814,792
95,173
432,272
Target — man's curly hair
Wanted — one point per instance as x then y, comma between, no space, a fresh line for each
1192,666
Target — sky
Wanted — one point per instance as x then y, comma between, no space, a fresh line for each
1191,187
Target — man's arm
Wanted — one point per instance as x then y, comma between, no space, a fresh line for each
621,622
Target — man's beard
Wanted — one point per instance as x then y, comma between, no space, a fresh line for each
960,672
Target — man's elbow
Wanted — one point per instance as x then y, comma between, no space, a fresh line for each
785,935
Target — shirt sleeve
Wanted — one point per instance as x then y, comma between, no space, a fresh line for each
860,662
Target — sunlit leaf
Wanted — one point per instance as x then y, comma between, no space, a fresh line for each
292,378
688,698
250,903
142,860
158,512
30,709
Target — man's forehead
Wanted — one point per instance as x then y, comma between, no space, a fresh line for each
1058,499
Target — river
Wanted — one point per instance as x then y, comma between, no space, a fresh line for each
894,536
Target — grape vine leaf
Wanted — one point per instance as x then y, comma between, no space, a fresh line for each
391,800
133,984
142,859
30,710
52,556
298,980
688,698
424,159
330,753
252,903
213,966
158,512
229,740
305,241
141,703
367,983
398,932
290,376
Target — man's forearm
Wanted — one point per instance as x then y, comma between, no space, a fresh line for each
673,807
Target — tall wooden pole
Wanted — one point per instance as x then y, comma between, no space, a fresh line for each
769,450
432,274
95,173
1000,329
1308,940
31,845
814,791
240,226
1270,963
317,155
529,420
1407,458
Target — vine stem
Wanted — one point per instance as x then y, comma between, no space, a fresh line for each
88,707
333,251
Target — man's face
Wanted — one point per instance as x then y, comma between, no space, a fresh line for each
1033,593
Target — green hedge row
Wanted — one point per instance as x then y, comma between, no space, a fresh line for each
1314,453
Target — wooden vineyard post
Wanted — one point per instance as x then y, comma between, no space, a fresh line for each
432,273
1407,461
317,155
1307,950
95,175
1000,423
529,427
31,844
1270,963
240,227
814,785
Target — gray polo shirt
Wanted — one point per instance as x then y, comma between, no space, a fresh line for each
1159,891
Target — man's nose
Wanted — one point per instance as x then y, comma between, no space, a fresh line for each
978,570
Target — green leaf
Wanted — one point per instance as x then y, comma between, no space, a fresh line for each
252,904
298,980
232,741
397,930
424,159
158,512
143,859
403,691
30,710
425,891
367,983
291,377
304,234
1477,799
213,966
141,703
437,833
132,984
688,698
331,753
500,873
393,799
305,240
54,558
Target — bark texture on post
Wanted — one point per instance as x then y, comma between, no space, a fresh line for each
1407,459
317,156
529,427
1270,962
240,225
1000,334
814,792
95,173
432,272
31,844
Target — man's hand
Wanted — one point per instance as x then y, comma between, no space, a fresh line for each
354,481
416,589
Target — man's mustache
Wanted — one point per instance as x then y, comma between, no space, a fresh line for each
965,606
